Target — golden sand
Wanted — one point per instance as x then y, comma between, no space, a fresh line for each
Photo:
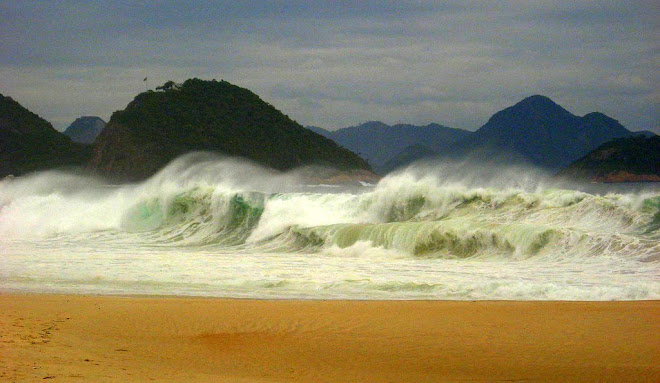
116,339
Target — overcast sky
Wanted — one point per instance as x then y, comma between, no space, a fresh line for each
339,63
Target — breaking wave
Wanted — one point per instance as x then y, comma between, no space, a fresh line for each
200,201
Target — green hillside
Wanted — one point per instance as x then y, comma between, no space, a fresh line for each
30,143
215,116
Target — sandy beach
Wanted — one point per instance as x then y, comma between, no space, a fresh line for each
110,339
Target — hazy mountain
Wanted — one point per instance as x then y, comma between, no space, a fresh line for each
379,143
29,143
321,131
538,131
624,159
157,127
85,129
407,156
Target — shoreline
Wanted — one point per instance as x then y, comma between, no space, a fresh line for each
173,338
17,292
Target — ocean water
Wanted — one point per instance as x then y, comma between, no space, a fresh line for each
207,226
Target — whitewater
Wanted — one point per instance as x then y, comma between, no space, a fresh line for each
221,227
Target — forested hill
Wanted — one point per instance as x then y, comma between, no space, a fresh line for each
157,126
30,143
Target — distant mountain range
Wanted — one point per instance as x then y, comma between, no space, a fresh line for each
85,129
197,115
380,143
535,131
407,156
215,116
539,132
30,143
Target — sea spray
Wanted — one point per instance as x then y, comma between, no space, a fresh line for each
212,226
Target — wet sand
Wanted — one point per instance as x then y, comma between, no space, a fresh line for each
109,339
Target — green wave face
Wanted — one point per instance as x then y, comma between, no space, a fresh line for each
197,217
452,223
652,207
225,228
145,216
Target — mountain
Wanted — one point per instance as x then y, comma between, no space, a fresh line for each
85,129
321,131
30,143
407,156
538,131
644,133
378,142
215,116
624,159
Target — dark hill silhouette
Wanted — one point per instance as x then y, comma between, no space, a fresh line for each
30,143
624,159
85,129
538,131
214,116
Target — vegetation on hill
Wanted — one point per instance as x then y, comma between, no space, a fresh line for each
215,116
30,143
625,159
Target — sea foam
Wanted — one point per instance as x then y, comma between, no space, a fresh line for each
218,226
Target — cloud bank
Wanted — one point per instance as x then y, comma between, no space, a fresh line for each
338,63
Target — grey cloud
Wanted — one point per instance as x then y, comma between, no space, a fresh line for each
335,64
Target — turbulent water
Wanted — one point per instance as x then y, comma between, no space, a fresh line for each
218,227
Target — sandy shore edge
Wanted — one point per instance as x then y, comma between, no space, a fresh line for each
110,338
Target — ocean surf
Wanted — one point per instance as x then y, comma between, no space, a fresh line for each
206,226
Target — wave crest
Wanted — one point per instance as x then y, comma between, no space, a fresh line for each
221,204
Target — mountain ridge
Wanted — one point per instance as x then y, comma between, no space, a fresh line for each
539,131
378,142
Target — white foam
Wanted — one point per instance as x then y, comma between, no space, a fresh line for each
62,232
